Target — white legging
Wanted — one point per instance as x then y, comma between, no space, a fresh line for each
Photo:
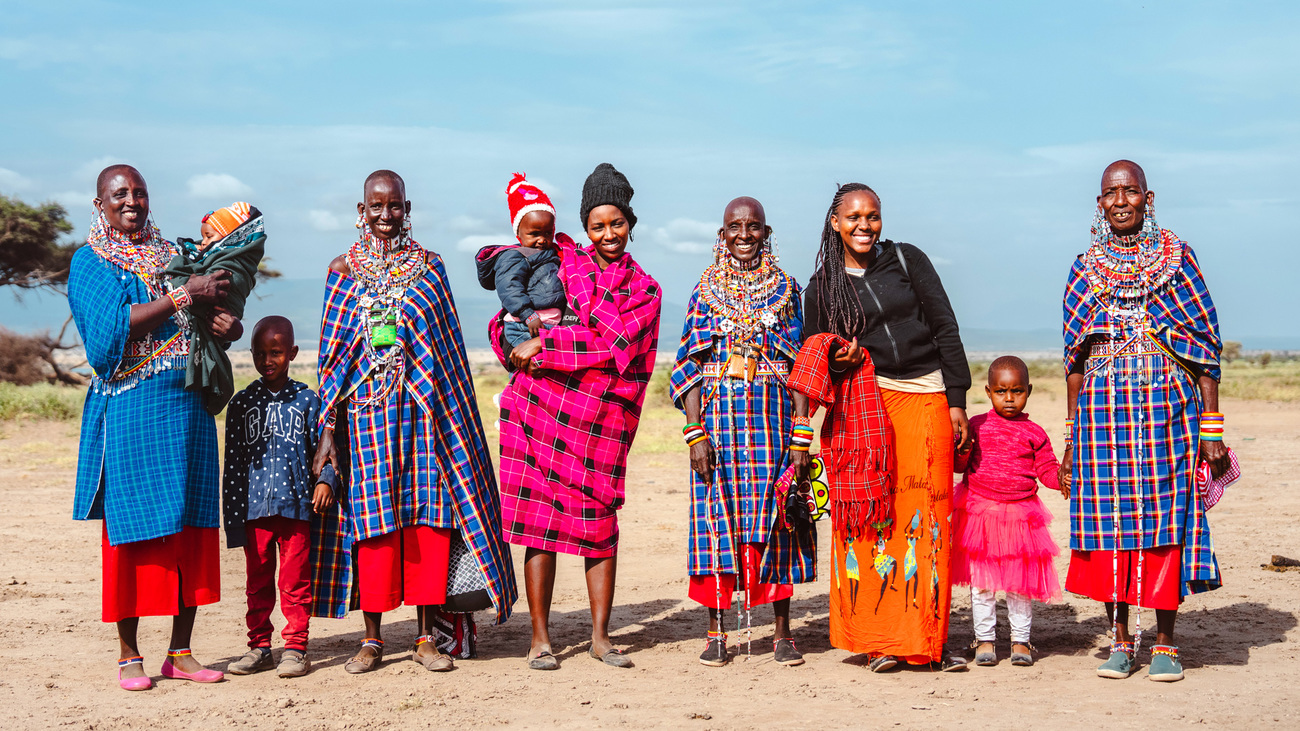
984,610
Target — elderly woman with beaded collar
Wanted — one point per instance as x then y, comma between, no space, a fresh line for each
147,461
1142,375
743,329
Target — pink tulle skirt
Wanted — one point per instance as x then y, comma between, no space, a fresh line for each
1003,546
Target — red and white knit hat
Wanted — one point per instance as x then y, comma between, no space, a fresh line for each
524,198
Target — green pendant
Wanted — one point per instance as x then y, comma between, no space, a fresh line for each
383,326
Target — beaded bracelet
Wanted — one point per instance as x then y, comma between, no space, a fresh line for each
180,298
803,421
1069,432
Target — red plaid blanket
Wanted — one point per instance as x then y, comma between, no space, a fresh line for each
855,434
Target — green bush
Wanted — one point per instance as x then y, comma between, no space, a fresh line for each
40,401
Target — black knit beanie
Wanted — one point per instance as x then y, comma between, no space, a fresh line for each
607,187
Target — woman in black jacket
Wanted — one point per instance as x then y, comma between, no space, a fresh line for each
887,300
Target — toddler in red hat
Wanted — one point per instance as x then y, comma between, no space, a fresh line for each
526,276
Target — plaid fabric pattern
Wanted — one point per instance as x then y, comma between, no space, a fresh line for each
749,425
565,432
855,433
418,456
147,458
1138,419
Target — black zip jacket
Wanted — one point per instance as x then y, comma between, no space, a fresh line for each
910,327
524,279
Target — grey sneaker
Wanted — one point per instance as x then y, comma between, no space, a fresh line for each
1120,664
293,664
255,660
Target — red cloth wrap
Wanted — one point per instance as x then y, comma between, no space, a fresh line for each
855,433
151,578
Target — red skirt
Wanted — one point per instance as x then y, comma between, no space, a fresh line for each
706,590
407,566
1092,574
155,578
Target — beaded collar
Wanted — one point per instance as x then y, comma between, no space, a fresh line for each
144,254
386,267
747,299
1129,267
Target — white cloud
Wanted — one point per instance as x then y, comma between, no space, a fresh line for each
478,241
463,224
687,236
11,181
75,201
322,220
217,185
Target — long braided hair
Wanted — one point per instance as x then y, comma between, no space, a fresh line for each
837,300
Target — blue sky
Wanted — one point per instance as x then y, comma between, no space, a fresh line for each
984,126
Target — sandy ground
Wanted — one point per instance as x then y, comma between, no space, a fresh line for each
1239,642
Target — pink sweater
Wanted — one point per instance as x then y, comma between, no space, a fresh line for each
1007,459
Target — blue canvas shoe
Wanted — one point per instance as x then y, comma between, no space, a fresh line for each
1165,667
1120,664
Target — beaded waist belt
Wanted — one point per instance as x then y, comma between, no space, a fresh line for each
714,369
139,353
1138,346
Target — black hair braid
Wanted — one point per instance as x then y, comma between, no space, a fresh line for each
837,300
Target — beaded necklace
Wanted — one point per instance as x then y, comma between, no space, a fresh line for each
1129,267
748,298
385,270
144,254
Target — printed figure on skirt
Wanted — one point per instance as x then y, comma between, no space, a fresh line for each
884,356
420,510
147,459
571,411
1001,540
1142,372
744,428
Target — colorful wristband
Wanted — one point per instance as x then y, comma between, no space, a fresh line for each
180,298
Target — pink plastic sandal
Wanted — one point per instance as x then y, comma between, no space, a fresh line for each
141,683
203,676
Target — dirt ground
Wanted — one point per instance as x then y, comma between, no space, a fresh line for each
1239,643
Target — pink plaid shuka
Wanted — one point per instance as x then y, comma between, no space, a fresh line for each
565,432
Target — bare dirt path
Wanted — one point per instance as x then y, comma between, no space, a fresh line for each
1239,642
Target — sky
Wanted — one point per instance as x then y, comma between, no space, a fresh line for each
984,127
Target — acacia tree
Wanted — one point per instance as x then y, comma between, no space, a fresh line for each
32,257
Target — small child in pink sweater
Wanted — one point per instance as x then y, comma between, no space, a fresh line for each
1000,536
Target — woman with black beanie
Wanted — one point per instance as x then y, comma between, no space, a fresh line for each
570,413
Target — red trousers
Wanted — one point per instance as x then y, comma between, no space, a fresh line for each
706,589
407,566
292,539
155,578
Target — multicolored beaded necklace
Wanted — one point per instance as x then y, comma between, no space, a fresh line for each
1129,267
144,254
749,297
385,270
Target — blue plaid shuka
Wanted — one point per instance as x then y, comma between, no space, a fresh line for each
147,459
749,425
1138,419
417,452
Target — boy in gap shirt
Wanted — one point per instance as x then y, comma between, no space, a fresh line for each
268,496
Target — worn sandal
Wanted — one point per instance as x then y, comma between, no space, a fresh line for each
613,657
544,661
1022,659
362,664
881,663
984,656
438,662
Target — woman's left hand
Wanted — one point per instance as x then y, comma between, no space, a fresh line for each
960,428
224,325
1216,455
522,356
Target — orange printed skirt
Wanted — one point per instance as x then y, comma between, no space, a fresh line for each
890,594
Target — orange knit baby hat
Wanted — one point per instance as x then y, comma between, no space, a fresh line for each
227,219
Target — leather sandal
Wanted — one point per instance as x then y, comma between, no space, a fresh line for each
438,662
613,657
544,661
359,663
